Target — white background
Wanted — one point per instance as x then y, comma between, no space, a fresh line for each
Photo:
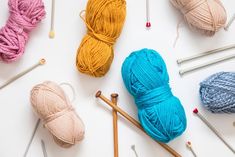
17,119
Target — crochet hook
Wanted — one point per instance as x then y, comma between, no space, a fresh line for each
52,32
134,122
206,53
114,97
41,62
196,112
200,66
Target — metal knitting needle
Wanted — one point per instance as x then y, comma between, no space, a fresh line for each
189,146
200,66
133,148
31,138
206,53
41,62
213,129
52,32
229,23
114,98
44,148
148,24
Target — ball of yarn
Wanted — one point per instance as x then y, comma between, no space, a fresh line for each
52,106
160,112
206,16
104,20
24,16
217,92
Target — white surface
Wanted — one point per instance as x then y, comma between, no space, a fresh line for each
16,116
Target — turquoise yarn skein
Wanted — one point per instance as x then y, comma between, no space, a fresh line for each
160,113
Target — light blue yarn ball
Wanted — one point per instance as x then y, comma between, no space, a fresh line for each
160,112
217,92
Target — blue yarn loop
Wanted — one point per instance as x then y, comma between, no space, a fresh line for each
160,113
217,92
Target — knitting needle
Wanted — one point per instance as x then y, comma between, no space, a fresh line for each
52,33
32,137
41,62
195,111
114,97
189,145
133,121
148,24
206,53
200,66
44,148
229,23
133,148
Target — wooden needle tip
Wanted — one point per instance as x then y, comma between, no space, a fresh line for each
195,111
114,95
98,94
51,34
42,61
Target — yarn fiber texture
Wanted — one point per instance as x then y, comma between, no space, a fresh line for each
160,113
104,20
206,16
217,92
59,117
24,16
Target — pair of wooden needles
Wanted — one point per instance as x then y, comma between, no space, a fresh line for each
116,109
206,64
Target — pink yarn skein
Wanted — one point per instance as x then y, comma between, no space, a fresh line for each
24,16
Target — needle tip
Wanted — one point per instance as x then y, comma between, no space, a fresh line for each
98,94
195,111
42,61
51,34
148,24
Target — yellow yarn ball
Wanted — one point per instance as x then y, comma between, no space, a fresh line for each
104,20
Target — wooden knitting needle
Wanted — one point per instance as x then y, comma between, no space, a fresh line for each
200,66
31,138
52,32
44,148
206,53
114,97
196,112
133,121
41,62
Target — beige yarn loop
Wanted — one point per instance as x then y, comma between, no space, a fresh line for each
53,107
206,16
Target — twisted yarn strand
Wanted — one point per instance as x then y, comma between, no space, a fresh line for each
24,16
104,20
217,92
160,113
